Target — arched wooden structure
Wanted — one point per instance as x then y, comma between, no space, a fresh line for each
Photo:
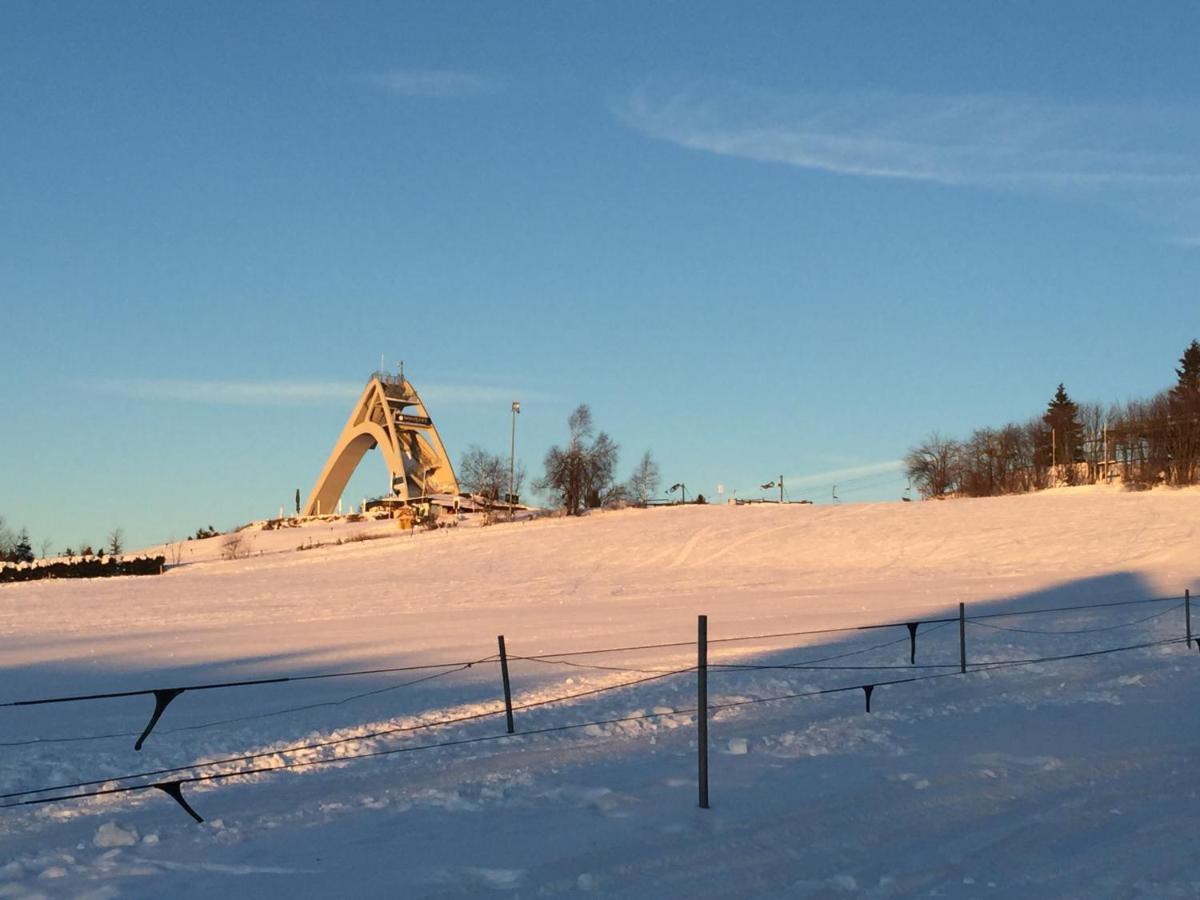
389,415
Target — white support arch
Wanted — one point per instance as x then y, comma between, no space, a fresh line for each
391,416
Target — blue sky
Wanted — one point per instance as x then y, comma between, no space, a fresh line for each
757,238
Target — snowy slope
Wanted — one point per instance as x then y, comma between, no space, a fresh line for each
1068,778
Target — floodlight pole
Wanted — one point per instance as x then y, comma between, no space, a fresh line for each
512,460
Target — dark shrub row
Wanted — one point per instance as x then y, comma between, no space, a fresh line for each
90,567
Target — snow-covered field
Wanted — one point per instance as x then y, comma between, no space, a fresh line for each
1072,778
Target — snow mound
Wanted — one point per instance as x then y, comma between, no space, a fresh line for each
110,834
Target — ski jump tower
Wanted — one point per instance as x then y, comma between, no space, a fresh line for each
389,415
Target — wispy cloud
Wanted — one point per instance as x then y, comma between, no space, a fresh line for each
849,475
231,393
432,84
293,392
992,141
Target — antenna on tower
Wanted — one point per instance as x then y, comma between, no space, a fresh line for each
402,371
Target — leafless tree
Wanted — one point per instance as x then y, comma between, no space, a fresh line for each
580,475
931,465
643,483
8,542
234,547
482,473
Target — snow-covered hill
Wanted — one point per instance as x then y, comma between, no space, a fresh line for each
1066,778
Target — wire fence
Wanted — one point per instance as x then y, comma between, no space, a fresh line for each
249,764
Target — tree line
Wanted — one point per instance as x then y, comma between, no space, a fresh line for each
1142,443
16,547
579,475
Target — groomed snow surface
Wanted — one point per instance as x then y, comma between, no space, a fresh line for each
1070,778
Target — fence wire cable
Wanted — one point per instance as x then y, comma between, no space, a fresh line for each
542,656
1079,630
220,776
318,745
209,686
973,669
813,663
1011,663
741,638
575,665
247,718
1055,609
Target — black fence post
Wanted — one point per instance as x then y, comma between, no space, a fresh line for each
962,638
702,707
507,690
1187,614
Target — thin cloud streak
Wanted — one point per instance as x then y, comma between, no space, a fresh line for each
993,141
293,392
846,475
432,84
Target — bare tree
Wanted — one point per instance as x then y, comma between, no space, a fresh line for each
581,474
234,547
643,483
8,543
482,473
1092,420
600,472
45,548
486,475
931,465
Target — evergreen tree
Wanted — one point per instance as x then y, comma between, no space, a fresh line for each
1183,430
23,550
1066,433
1188,373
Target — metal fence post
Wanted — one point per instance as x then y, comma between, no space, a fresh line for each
507,690
702,707
1187,614
962,638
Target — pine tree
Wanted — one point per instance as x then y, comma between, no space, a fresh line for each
23,550
1183,433
1062,417
1188,373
